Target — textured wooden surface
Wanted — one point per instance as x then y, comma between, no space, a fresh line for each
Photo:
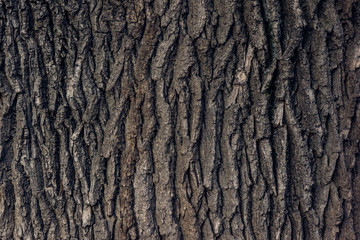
179,119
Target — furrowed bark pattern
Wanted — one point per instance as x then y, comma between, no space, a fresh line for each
171,119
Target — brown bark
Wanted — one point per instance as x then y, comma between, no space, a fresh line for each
179,119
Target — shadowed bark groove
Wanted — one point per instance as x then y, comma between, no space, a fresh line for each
171,119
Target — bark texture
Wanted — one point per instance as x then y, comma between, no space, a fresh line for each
179,119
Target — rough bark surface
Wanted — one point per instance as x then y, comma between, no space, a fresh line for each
179,119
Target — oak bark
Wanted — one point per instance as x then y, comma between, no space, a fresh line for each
179,119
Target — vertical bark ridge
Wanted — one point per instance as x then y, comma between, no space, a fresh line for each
164,150
143,181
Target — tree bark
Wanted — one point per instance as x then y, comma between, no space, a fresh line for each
179,119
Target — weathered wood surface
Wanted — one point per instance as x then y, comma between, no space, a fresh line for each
179,119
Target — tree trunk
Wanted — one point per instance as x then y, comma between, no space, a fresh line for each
179,119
